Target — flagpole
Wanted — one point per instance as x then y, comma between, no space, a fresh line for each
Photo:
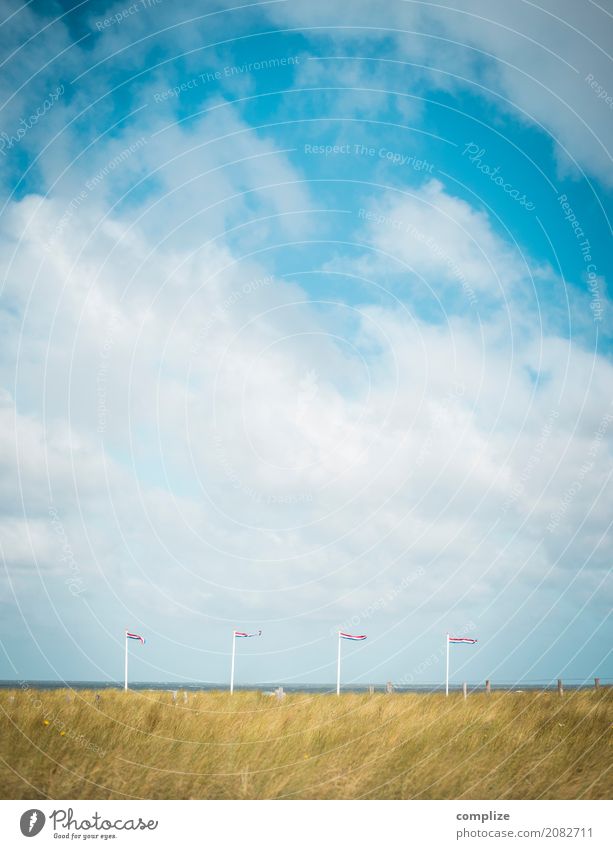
125,672
233,656
338,667
447,668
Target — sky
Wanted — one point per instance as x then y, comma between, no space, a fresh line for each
305,327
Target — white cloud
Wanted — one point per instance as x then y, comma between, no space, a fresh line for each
444,240
242,427
535,60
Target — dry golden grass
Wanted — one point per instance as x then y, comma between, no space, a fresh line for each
249,746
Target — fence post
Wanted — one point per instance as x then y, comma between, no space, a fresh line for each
465,689
560,687
597,683
488,686
371,690
389,687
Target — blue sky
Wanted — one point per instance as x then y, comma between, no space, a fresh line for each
306,325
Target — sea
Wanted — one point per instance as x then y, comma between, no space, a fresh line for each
268,687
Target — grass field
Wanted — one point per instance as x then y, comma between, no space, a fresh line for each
249,746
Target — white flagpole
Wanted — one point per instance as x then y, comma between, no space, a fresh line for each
447,668
125,673
338,667
233,656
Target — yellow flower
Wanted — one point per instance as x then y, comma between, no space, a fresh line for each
45,722
306,757
62,733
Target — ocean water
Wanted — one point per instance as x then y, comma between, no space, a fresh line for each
293,688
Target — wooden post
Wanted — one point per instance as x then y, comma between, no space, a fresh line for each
488,686
465,689
597,683
560,687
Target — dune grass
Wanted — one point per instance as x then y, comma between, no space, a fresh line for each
73,745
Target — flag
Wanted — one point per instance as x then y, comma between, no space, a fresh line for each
467,640
130,636
243,634
351,636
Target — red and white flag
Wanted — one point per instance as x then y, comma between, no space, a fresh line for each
130,636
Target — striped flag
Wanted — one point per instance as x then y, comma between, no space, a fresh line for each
129,636
236,634
466,641
343,636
